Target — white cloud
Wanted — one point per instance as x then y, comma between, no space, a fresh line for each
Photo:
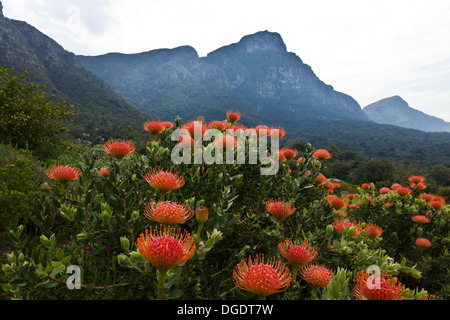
368,49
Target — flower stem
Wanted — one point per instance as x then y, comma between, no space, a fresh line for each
161,283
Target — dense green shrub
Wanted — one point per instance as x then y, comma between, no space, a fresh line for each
95,222
20,179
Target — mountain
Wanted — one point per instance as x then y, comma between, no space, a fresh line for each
99,108
396,111
256,75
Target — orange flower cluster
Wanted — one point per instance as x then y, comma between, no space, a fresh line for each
166,248
262,277
383,287
63,173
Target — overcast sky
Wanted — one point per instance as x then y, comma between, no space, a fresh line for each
368,49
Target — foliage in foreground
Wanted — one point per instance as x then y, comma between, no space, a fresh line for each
222,229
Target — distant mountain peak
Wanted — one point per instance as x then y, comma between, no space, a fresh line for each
257,42
396,111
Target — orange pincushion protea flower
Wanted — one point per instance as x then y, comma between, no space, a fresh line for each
104,172
168,212
63,173
321,154
155,126
279,131
372,230
316,275
195,126
341,224
385,190
119,149
279,209
422,242
420,219
262,277
164,181
403,191
336,202
416,179
219,125
289,153
383,287
166,248
233,116
296,252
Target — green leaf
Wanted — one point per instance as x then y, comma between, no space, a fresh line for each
60,254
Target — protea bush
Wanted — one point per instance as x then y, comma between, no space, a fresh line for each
161,221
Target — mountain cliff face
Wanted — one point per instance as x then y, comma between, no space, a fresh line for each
256,75
396,111
24,48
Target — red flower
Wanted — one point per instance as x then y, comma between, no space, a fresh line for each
154,127
164,181
104,172
296,252
166,248
168,212
403,191
421,185
321,154
420,219
383,287
289,153
279,209
422,242
336,202
341,224
320,179
366,186
63,173
316,275
262,277
372,230
264,130
220,125
233,117
395,186
195,126
416,179
119,149
385,190
277,131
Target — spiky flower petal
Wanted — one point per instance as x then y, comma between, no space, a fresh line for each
262,277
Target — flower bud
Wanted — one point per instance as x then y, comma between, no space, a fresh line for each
201,213
45,187
106,212
125,242
329,231
124,261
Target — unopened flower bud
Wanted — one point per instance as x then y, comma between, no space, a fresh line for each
329,231
201,213
125,243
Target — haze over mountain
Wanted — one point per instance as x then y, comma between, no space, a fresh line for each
24,48
396,111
